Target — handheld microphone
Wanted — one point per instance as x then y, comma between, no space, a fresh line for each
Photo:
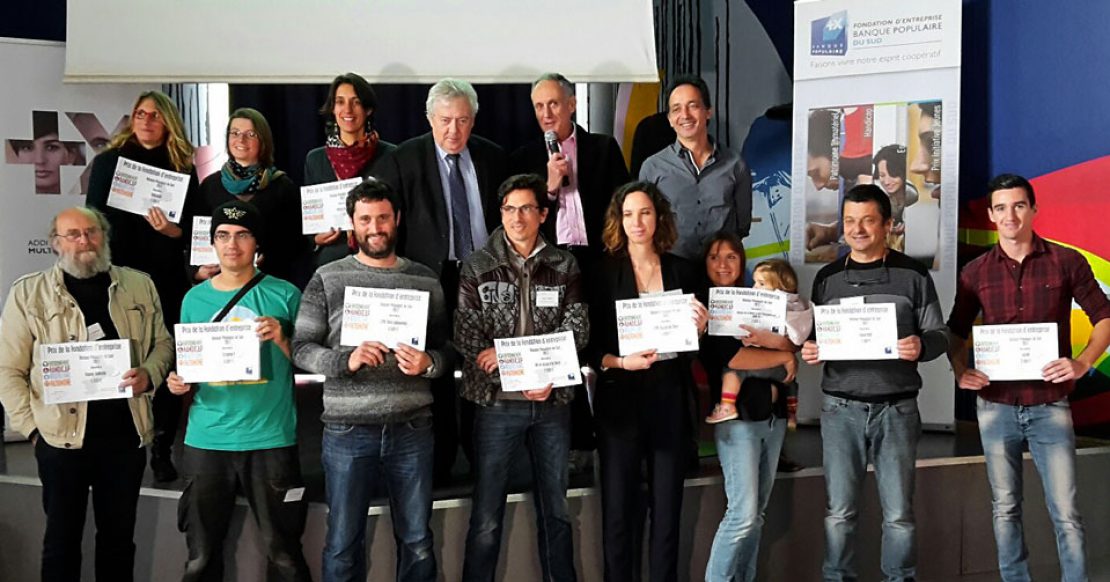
552,140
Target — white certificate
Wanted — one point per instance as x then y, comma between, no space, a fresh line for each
856,332
217,352
1015,351
664,323
731,307
83,371
136,188
389,316
201,251
532,362
324,206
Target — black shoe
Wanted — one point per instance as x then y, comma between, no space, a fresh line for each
787,465
162,466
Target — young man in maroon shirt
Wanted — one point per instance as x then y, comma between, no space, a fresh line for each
1026,279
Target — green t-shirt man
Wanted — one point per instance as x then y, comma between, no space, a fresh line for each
247,415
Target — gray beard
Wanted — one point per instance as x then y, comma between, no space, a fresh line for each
81,270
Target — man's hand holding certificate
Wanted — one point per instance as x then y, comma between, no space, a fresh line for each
664,323
1015,351
217,352
324,206
389,316
84,371
863,331
534,362
137,188
731,307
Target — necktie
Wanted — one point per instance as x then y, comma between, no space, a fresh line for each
460,209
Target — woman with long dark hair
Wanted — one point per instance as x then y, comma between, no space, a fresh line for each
644,401
352,150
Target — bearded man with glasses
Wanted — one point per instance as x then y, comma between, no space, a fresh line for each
97,444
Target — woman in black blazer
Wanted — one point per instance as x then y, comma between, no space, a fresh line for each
643,404
352,150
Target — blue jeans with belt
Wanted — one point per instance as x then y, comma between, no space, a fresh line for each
500,429
356,457
887,433
1047,428
749,455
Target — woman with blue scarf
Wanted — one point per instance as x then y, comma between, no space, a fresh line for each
249,175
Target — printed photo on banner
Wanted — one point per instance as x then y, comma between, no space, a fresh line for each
894,145
47,153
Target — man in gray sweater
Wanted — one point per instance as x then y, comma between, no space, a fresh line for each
870,406
377,398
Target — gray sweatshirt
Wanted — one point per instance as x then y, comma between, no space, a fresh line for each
373,395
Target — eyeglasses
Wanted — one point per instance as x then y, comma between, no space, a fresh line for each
75,235
241,236
142,114
862,277
236,134
526,210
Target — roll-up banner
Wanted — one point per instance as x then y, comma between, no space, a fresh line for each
876,100
50,133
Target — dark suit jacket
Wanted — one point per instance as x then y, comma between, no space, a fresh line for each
413,171
601,171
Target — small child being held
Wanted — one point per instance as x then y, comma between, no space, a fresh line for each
767,355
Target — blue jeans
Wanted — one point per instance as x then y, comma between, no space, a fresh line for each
749,454
1047,428
499,430
853,432
355,458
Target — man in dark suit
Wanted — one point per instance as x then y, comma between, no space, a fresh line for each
447,182
581,179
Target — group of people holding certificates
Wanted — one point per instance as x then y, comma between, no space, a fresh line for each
526,312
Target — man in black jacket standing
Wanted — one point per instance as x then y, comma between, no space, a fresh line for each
582,171
447,182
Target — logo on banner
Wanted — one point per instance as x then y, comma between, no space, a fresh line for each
829,35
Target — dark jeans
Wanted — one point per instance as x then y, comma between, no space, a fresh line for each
500,430
356,458
114,475
647,419
269,479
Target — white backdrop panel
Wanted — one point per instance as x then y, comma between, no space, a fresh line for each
411,41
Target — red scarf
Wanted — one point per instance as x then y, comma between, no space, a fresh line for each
348,161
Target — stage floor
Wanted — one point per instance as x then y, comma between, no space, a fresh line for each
802,446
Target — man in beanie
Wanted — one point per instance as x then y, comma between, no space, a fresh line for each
242,435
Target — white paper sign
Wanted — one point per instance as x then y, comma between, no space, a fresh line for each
324,206
664,323
856,332
1015,351
136,188
389,316
201,251
533,362
731,307
217,352
83,371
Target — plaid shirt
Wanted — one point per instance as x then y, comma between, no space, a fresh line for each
1039,289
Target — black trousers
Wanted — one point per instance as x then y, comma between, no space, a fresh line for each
453,424
269,479
114,476
582,437
646,420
